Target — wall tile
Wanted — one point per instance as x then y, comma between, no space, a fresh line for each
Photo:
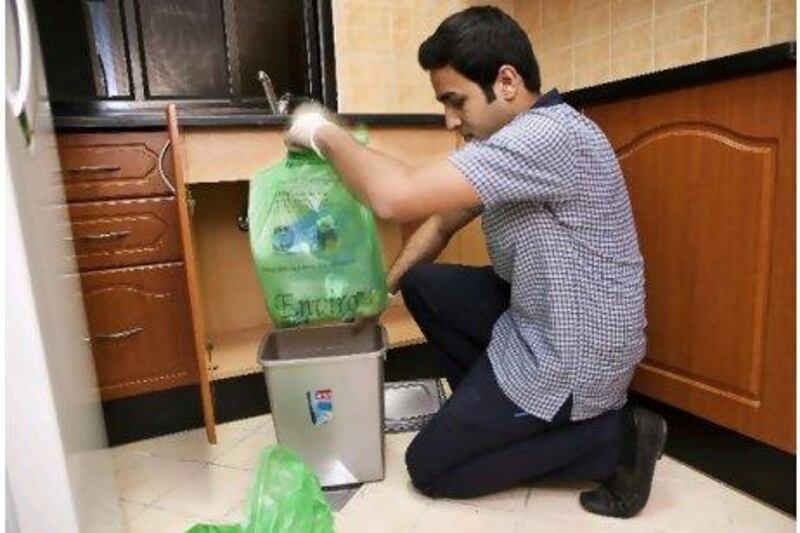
631,65
783,21
403,19
782,7
666,7
592,23
681,53
588,5
405,44
556,69
509,6
529,16
592,62
634,40
782,29
626,13
559,11
594,74
556,35
578,42
365,15
593,52
685,24
376,42
737,38
726,14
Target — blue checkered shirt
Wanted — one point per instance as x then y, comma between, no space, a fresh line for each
559,229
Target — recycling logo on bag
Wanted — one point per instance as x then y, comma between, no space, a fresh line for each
320,406
315,246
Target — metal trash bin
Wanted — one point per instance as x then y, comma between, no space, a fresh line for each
325,386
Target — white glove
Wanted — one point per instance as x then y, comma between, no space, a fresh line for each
305,123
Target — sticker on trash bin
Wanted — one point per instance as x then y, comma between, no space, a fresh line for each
320,405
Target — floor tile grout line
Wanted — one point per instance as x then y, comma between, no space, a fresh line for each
528,497
155,503
176,487
192,516
220,453
134,445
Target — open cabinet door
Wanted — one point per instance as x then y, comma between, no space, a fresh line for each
195,301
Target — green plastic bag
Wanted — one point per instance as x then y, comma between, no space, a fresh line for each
315,246
284,497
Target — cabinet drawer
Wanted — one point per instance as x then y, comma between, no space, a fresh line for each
140,329
125,232
115,165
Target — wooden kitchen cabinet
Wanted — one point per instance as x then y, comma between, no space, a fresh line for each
126,240
218,164
711,175
140,331
170,288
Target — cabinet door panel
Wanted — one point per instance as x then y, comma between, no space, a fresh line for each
140,329
710,172
125,233
109,166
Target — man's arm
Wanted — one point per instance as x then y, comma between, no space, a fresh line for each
392,189
428,241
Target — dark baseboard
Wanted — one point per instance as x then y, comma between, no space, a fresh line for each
152,415
753,467
161,413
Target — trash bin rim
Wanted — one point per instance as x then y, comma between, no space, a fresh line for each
267,363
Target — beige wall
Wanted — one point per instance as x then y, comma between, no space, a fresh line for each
585,42
376,52
578,42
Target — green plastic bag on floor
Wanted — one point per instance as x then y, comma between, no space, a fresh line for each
315,247
284,497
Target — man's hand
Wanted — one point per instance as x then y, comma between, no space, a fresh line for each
306,122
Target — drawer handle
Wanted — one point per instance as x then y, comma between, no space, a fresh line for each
104,236
163,175
118,335
95,168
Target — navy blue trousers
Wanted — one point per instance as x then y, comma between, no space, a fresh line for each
480,441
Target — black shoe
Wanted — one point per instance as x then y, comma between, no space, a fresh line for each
625,494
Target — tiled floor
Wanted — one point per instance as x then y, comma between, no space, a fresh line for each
170,483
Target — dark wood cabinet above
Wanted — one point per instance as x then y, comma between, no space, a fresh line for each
127,55
183,50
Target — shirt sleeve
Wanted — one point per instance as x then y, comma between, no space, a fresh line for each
532,159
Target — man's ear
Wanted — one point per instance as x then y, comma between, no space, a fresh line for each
507,83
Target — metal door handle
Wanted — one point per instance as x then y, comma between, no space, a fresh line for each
104,236
16,98
117,335
95,168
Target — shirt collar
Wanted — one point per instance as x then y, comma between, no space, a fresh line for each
550,98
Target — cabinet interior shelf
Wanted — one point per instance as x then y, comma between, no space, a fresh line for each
235,353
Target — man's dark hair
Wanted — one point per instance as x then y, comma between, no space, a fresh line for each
476,42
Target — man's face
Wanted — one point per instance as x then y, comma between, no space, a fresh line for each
465,107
